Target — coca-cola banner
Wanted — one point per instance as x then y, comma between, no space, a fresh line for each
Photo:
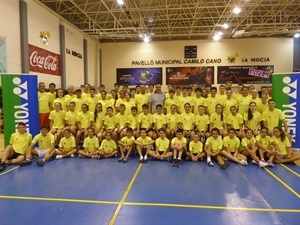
43,61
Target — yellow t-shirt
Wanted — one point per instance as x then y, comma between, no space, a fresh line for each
99,120
85,95
127,140
91,144
175,140
120,101
141,99
243,103
188,120
202,122
266,141
145,120
108,146
215,120
71,117
216,144
227,103
282,145
63,103
196,147
92,103
44,142
44,101
128,106
79,102
57,118
235,121
272,117
246,143
162,144
183,100
211,103
67,143
110,122
52,96
132,121
105,104
69,98
168,103
231,143
144,141
85,119
173,120
262,107
20,142
121,119
253,123
159,120
197,103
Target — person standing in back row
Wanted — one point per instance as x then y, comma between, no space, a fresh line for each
156,98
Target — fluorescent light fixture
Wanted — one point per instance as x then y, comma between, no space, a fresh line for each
220,33
236,10
120,2
216,37
296,35
146,39
225,25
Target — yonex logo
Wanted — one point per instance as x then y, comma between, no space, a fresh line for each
291,89
21,89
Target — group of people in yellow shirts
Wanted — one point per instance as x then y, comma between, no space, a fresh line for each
187,122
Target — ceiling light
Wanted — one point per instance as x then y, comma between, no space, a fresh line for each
216,37
236,10
220,33
225,25
152,34
146,39
120,2
297,35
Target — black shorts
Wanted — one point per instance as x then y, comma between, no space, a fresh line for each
161,152
15,155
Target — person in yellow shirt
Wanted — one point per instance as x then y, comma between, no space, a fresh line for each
90,146
52,94
145,121
84,120
235,121
61,99
198,100
121,100
222,93
179,145
44,104
159,121
143,145
121,119
105,102
79,100
70,96
67,146
228,102
71,119
252,119
142,99
15,152
128,103
86,91
99,116
162,145
264,104
132,121
57,122
248,148
110,124
195,149
255,98
211,102
183,100
45,147
285,154
108,147
173,121
243,101
267,148
218,120
188,121
126,145
92,100
202,124
231,145
170,101
213,147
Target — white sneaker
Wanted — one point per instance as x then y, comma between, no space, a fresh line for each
270,163
72,156
253,161
244,162
58,157
262,164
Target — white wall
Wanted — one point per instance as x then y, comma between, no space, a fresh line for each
121,55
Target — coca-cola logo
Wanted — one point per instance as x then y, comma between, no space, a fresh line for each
43,61
48,63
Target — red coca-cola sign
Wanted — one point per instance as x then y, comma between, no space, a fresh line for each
43,61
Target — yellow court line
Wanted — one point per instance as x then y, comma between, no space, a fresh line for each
149,204
210,207
7,171
289,169
283,183
114,217
58,200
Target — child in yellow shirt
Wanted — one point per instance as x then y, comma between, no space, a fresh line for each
195,149
162,145
90,146
108,146
67,146
143,145
126,145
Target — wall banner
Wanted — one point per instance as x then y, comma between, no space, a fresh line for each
43,61
3,57
245,74
20,103
286,91
139,76
201,75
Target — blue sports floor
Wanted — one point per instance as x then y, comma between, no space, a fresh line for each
89,191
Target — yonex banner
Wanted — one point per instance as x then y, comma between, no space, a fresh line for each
286,91
20,103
